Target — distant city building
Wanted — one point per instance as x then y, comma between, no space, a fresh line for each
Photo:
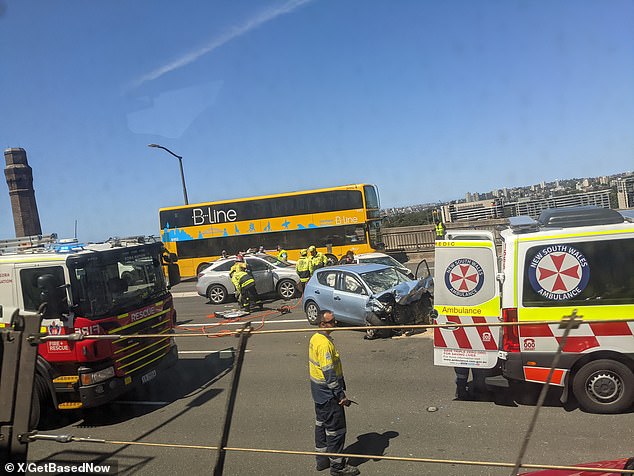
625,192
19,177
534,207
468,197
480,210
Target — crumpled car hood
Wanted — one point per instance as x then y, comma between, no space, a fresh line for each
406,293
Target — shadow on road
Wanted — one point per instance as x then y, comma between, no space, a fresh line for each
188,378
369,444
524,394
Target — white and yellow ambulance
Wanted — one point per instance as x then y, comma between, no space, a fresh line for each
577,259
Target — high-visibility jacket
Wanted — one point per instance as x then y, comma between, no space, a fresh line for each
440,229
303,268
237,266
282,255
242,280
326,372
317,261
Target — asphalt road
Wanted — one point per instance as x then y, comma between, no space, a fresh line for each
393,380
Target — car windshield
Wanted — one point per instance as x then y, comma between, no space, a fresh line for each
386,260
274,261
113,282
384,279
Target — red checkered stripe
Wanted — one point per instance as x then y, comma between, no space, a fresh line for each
474,338
617,336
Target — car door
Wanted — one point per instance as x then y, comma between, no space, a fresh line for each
350,297
324,293
263,275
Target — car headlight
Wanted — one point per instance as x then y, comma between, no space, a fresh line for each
96,377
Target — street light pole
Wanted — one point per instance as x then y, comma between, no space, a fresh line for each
180,163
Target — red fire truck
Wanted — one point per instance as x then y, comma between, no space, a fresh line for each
116,287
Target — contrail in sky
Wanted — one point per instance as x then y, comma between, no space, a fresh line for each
235,32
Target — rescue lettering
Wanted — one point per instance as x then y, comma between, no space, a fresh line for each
148,311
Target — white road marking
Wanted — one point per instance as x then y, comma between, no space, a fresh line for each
140,402
204,351
241,323
185,294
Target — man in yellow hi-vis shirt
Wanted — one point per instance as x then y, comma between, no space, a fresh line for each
328,387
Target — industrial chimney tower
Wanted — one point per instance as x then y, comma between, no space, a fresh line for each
20,181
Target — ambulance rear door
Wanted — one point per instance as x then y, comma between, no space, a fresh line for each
466,291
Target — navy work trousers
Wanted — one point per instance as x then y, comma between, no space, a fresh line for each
330,432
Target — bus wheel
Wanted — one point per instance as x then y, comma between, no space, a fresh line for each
286,288
332,259
217,293
604,386
201,268
312,312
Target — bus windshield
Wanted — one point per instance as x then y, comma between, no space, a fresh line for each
111,282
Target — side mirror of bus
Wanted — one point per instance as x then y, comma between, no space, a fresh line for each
52,297
168,258
173,274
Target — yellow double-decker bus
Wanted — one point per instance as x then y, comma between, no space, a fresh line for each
335,220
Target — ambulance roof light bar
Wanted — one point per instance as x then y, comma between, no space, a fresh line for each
579,216
523,224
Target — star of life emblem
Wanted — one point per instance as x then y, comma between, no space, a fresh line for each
464,277
559,272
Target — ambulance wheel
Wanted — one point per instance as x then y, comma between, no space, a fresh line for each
312,312
604,386
217,294
286,288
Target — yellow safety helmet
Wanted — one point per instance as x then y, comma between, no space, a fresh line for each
303,252
312,248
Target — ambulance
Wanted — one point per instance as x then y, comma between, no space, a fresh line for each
89,289
570,260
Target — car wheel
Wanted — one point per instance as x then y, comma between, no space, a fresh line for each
332,259
604,386
217,293
201,268
312,312
372,320
286,288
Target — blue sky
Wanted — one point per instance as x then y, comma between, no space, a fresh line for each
427,99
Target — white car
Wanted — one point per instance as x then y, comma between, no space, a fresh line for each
382,258
271,276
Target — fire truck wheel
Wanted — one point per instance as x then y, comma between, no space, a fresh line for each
38,402
217,293
604,386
